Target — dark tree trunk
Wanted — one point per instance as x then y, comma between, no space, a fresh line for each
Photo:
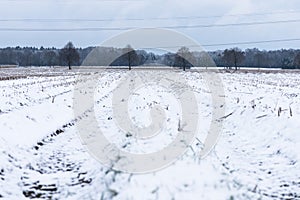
129,61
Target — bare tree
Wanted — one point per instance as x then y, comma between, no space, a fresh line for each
184,58
69,55
130,55
233,57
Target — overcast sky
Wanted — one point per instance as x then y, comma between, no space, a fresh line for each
119,11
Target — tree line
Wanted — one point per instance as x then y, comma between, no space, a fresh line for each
127,56
235,57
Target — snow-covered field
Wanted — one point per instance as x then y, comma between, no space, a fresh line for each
41,154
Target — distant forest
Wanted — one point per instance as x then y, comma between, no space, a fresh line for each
230,58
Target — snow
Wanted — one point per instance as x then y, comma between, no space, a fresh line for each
27,117
42,156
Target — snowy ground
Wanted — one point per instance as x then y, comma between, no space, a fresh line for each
41,154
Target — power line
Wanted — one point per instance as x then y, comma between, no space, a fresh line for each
253,42
235,24
129,28
229,44
48,20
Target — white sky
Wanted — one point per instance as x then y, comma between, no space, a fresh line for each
146,9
